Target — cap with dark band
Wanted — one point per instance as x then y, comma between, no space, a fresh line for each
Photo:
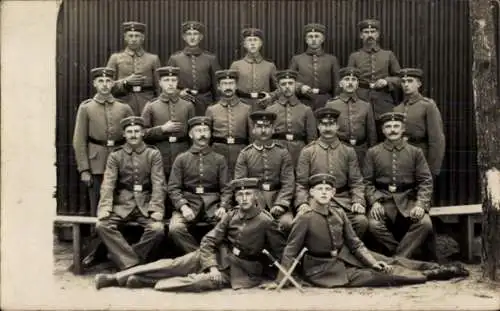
392,116
314,27
168,71
199,121
193,25
326,114
102,72
369,23
287,74
244,183
411,72
227,74
134,26
252,32
263,117
349,71
129,121
321,179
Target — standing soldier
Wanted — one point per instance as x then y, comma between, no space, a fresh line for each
197,67
356,124
399,189
328,154
295,125
318,71
97,132
424,125
133,189
378,70
135,69
231,125
256,75
272,163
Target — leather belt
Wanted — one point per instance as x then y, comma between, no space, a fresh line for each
344,188
352,142
414,140
106,143
251,95
201,189
230,140
169,139
134,188
289,136
240,254
394,188
198,92
140,88
365,85
269,186
331,254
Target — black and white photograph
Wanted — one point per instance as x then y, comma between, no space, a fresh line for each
250,154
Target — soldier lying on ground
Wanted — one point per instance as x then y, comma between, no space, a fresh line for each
337,257
229,255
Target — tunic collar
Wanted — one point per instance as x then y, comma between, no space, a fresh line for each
169,98
232,101
413,98
317,52
253,59
372,49
103,99
261,147
196,51
139,52
323,144
293,100
138,149
203,150
251,213
399,145
346,97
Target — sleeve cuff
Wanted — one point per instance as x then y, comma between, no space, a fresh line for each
180,203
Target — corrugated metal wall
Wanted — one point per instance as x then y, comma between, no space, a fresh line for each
433,35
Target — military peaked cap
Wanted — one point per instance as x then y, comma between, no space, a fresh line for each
133,120
392,116
252,32
326,114
194,121
315,27
321,179
244,183
263,117
411,72
134,26
193,25
102,72
168,71
349,71
287,74
369,23
227,74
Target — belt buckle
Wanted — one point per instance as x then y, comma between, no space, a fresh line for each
315,90
334,253
266,186
230,140
200,190
194,92
254,95
110,143
136,88
236,251
289,136
372,85
393,188
137,188
352,141
172,139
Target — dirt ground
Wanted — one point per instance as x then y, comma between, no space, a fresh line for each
467,294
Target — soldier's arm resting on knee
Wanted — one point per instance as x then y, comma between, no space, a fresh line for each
287,180
354,244
356,179
174,186
108,185
210,243
437,141
424,180
156,204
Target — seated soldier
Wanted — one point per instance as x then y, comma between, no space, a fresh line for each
229,255
197,179
336,256
132,190
272,163
399,189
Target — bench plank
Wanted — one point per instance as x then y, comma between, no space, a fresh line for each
456,210
75,219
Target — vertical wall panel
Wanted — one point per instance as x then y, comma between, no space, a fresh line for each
431,34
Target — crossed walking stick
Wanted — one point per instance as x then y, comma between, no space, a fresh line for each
287,274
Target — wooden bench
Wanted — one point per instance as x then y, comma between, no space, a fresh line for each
467,217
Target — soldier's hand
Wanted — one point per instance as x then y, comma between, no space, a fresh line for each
215,275
377,212
171,126
86,178
277,211
184,92
380,83
101,215
358,208
135,79
156,216
305,89
270,286
417,213
220,212
187,213
383,267
304,208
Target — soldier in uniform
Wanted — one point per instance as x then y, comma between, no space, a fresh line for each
197,67
198,186
231,125
399,190
336,257
135,68
318,72
97,131
229,255
424,125
356,124
133,189
328,154
166,118
295,125
271,162
256,75
378,80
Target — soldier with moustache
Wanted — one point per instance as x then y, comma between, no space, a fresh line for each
295,125
423,123
197,67
229,255
166,118
133,190
318,72
272,163
97,132
328,154
135,68
231,122
399,190
198,186
356,123
379,68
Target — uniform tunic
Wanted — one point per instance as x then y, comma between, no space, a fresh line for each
128,62
197,72
424,128
230,121
157,113
356,123
295,119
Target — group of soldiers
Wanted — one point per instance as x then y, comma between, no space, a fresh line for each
312,157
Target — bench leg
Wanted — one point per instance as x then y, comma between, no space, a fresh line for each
77,249
467,224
